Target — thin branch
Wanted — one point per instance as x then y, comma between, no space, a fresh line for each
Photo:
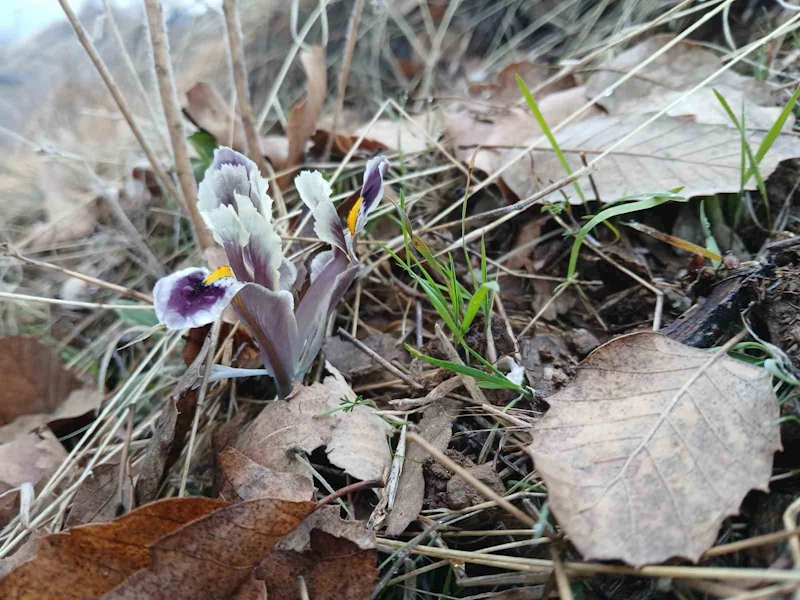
234,27
352,35
378,358
172,113
87,278
87,44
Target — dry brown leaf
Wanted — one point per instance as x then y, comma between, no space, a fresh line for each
244,479
504,89
210,111
98,498
334,568
35,388
515,127
668,153
355,441
251,589
680,68
435,427
31,458
652,446
400,134
88,561
327,519
305,113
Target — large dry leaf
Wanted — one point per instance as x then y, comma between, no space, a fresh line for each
652,445
679,69
35,388
704,159
88,561
355,441
493,131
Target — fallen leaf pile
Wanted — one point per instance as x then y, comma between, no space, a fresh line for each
694,146
652,445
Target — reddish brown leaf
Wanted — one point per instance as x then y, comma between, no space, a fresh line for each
214,555
88,561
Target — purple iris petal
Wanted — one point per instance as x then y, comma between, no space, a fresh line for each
373,182
190,295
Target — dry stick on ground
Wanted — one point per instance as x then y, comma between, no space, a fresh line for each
352,35
564,591
517,563
378,358
87,278
119,99
234,27
483,489
172,112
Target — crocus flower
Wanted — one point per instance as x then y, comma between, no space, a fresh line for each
263,287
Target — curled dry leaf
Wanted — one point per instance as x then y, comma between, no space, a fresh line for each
35,389
244,479
355,440
652,445
680,68
98,499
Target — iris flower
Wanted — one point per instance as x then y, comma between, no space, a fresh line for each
263,287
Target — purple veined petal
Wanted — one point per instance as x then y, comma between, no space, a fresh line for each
262,254
371,191
315,192
183,300
269,317
322,296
